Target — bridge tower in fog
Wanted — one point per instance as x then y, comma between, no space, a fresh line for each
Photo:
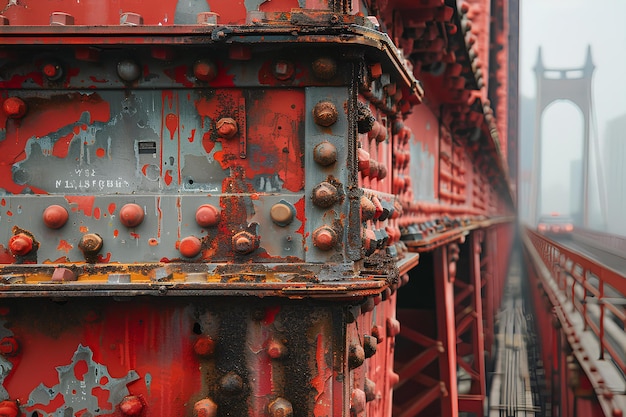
553,84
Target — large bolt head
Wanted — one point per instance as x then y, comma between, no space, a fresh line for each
282,213
20,244
14,107
325,153
90,243
280,407
324,238
131,215
226,127
55,216
325,113
325,194
244,242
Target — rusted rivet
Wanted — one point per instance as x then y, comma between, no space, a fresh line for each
369,345
324,68
20,244
226,127
55,216
364,161
325,194
283,70
357,402
374,131
324,238
368,209
282,213
204,346
373,172
131,215
325,113
382,134
128,70
376,332
9,347
90,243
370,390
131,405
63,275
276,349
61,19
207,215
205,408
356,356
131,19
382,171
204,70
393,326
14,107
231,383
244,242
325,153
280,407
9,409
190,246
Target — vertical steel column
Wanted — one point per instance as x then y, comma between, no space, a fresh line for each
446,327
474,402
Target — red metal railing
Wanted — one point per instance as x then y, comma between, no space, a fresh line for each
586,282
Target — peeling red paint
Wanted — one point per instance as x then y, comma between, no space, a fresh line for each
135,235
82,203
17,80
96,213
168,177
6,257
112,207
83,229
3,202
144,169
64,246
104,259
319,381
46,116
171,121
300,215
116,233
192,135
207,143
97,80
9,213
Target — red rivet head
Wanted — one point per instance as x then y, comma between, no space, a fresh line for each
324,238
325,195
205,408
131,405
364,161
52,71
55,216
207,215
190,246
9,409
276,349
204,70
204,346
226,127
131,215
21,244
14,107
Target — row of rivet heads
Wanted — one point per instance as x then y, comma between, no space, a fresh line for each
372,160
132,215
360,351
380,90
204,69
126,19
401,158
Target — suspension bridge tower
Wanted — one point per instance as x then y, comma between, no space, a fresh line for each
572,84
